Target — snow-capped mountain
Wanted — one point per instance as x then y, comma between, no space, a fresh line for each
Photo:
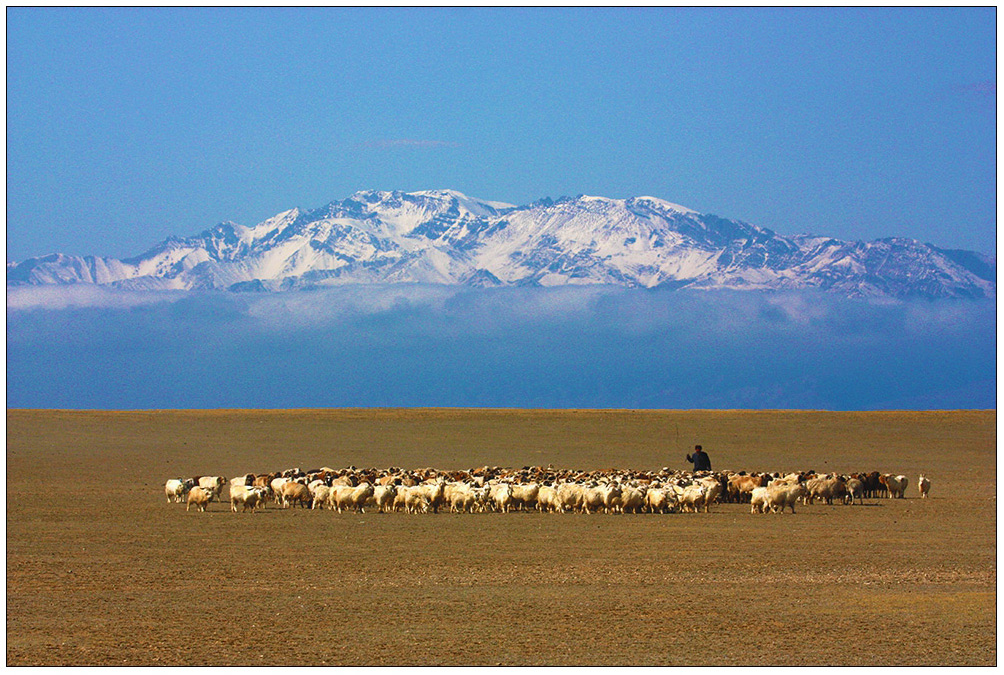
444,237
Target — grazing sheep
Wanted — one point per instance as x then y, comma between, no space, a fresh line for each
612,498
923,485
338,496
535,488
525,495
693,498
740,488
501,497
321,494
401,497
435,492
896,485
873,486
855,488
547,499
248,497
175,489
461,501
383,497
783,496
884,489
296,493
783,481
713,489
200,497
461,498
360,496
482,498
827,489
265,481
345,497
657,500
632,500
452,490
570,497
593,498
416,501
758,500
276,486
246,479
213,483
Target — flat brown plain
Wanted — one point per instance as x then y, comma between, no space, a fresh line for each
101,570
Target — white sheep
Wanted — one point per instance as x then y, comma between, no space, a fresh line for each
547,499
780,497
415,501
383,497
897,485
344,497
693,498
758,500
276,485
501,497
175,489
525,495
247,497
213,483
321,494
632,500
570,497
593,498
658,500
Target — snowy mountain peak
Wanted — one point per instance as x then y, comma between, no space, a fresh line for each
264,229
661,204
477,207
446,237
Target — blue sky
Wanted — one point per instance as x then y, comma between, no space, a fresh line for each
127,125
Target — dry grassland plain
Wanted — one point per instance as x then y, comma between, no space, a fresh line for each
102,571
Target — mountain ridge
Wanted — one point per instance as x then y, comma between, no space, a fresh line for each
446,237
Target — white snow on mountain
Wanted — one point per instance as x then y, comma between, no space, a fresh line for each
445,237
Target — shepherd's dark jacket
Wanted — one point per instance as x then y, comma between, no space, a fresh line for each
700,460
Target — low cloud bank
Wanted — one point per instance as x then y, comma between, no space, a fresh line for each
79,296
441,346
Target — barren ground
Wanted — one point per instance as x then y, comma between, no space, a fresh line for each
102,571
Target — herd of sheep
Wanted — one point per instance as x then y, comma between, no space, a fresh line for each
533,488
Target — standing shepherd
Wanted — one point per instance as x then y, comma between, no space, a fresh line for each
700,459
